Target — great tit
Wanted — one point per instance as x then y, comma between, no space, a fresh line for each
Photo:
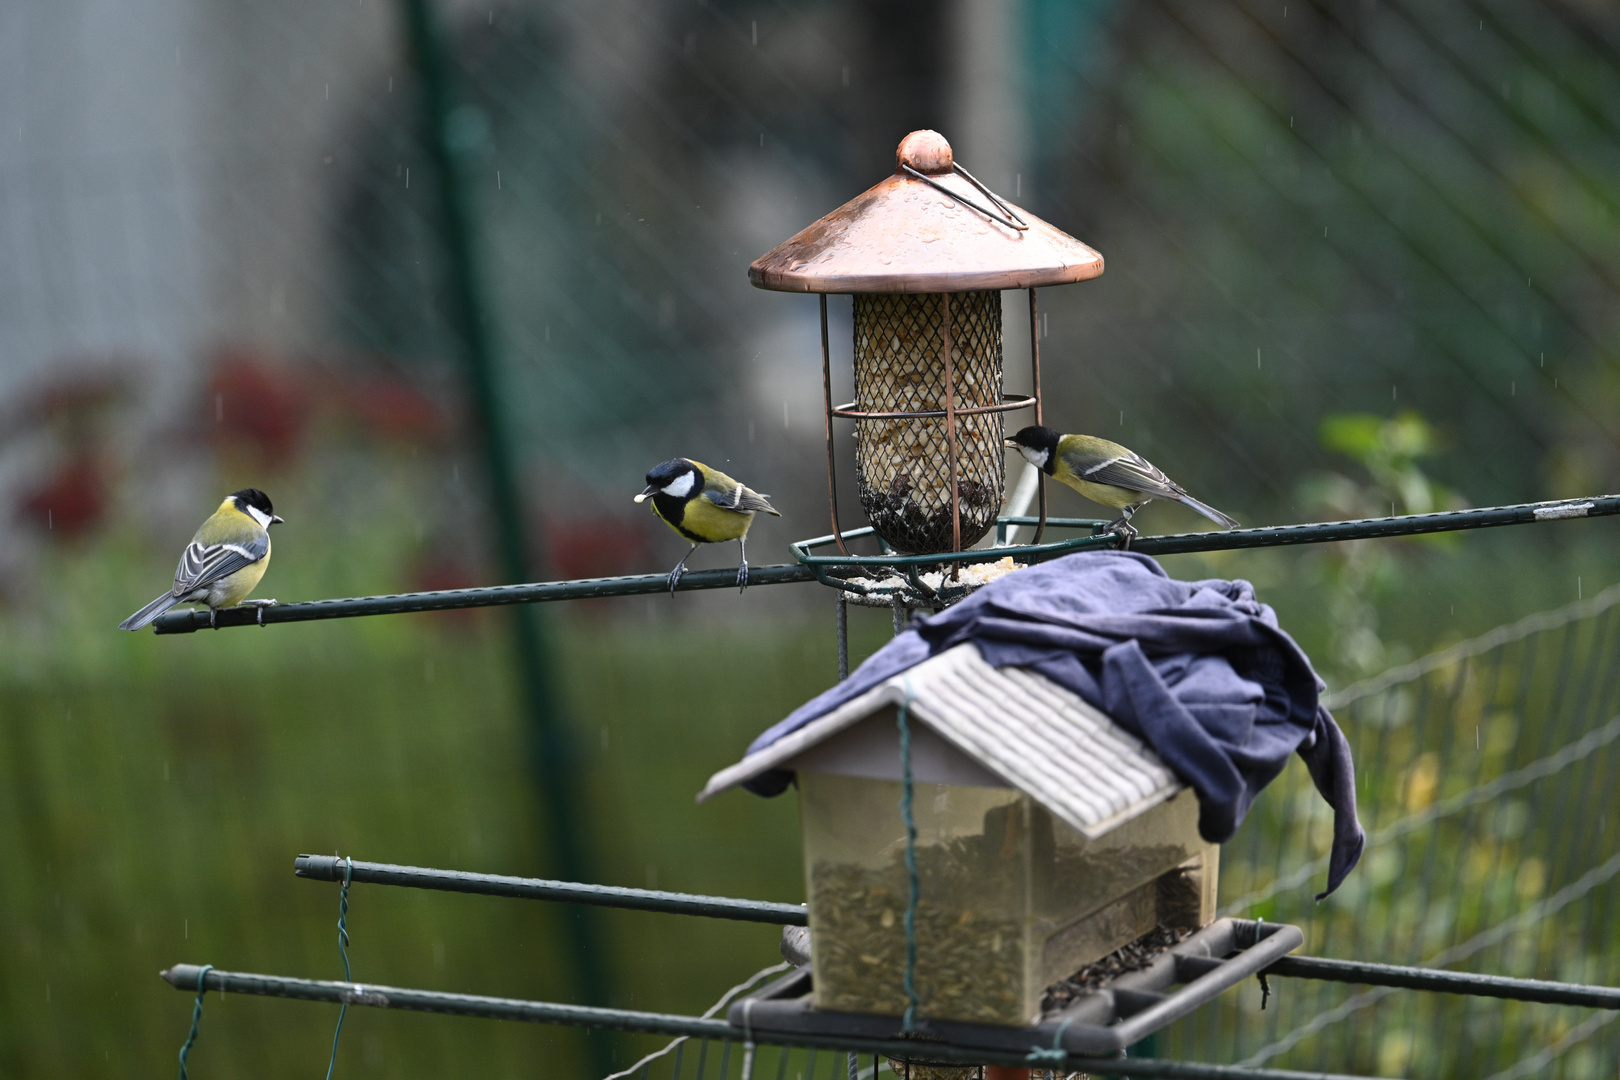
223,562
1108,473
706,507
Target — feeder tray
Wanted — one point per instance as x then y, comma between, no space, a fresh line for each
1105,1021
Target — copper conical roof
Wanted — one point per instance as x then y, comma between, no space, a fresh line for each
905,235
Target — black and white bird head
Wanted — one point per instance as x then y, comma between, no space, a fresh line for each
678,478
1037,444
256,505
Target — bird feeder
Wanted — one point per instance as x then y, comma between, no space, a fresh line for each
925,254
1046,836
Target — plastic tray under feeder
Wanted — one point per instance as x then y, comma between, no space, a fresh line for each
1046,837
1115,1015
925,253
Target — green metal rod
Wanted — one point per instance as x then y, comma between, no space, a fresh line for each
332,868
1447,982
186,622
184,977
455,131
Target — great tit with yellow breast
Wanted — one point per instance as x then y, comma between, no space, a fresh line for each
223,562
1108,473
705,506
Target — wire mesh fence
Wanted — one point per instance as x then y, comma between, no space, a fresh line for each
1484,786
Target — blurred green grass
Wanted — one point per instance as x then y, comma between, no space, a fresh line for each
153,793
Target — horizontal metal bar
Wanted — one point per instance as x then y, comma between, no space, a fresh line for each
848,411
1446,982
184,977
1375,528
186,622
333,868
1267,536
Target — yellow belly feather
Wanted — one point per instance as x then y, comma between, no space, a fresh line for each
708,523
238,585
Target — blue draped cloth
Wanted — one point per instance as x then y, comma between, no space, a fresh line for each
1198,670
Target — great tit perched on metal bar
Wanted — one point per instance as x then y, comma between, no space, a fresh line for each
223,562
705,506
1108,473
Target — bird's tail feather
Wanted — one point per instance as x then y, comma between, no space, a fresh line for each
1225,521
149,612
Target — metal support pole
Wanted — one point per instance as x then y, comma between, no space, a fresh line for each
1440,981
189,976
1490,517
453,131
826,394
843,635
332,868
1035,392
950,429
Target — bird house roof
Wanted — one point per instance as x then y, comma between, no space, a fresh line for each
906,235
1012,726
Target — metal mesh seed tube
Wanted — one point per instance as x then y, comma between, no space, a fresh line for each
902,465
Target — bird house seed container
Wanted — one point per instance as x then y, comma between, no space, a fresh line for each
1010,899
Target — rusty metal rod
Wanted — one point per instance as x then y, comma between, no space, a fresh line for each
1035,380
826,396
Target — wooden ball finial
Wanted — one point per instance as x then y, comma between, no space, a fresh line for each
926,151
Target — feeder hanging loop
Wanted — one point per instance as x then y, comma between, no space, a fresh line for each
964,200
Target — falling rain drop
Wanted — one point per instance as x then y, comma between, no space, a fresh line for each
755,31
1257,359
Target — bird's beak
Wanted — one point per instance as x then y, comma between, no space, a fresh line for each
1009,444
652,489
276,519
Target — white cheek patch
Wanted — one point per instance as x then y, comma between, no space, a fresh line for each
681,486
257,515
1035,457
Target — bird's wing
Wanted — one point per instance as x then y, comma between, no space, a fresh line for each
729,494
1126,469
202,564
